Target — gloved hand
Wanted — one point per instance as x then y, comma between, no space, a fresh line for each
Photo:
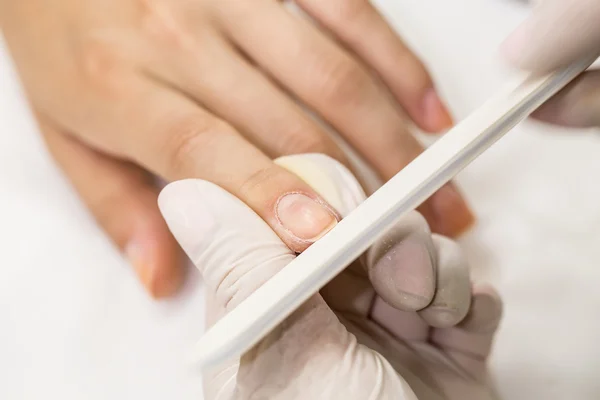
557,33
402,323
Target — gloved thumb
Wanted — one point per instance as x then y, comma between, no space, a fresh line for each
557,33
234,249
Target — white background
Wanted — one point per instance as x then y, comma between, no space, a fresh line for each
75,324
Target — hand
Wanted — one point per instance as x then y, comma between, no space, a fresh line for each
557,33
206,89
402,323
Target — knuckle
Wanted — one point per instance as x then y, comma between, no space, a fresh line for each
159,24
187,139
261,180
100,62
342,82
351,10
302,141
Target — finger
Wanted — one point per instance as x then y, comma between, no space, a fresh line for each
556,33
237,252
122,198
364,30
177,139
470,342
453,289
402,265
403,272
331,82
239,93
578,105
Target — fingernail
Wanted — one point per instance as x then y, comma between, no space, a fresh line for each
140,261
447,212
140,255
436,114
304,217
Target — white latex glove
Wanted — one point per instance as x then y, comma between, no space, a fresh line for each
557,33
402,323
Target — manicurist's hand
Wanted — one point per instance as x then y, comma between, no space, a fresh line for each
127,89
559,32
404,322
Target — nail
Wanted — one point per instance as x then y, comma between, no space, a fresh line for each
139,259
141,256
437,116
448,213
304,217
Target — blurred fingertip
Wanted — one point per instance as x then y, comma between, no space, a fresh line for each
485,312
448,213
157,260
436,115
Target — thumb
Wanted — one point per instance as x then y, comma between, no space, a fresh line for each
234,249
557,33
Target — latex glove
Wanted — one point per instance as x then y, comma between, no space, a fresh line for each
215,89
402,324
557,33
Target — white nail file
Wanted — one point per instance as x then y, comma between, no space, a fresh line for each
262,311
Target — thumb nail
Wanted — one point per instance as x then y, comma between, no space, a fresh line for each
437,116
304,217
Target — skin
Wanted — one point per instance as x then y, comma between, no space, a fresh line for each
357,339
128,90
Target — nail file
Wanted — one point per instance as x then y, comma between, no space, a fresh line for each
276,299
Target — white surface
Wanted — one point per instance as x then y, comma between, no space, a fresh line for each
76,324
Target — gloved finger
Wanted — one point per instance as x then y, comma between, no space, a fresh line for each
402,264
122,198
418,272
452,297
234,249
557,32
469,343
578,105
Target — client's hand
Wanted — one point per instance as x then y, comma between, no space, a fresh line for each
401,323
125,90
